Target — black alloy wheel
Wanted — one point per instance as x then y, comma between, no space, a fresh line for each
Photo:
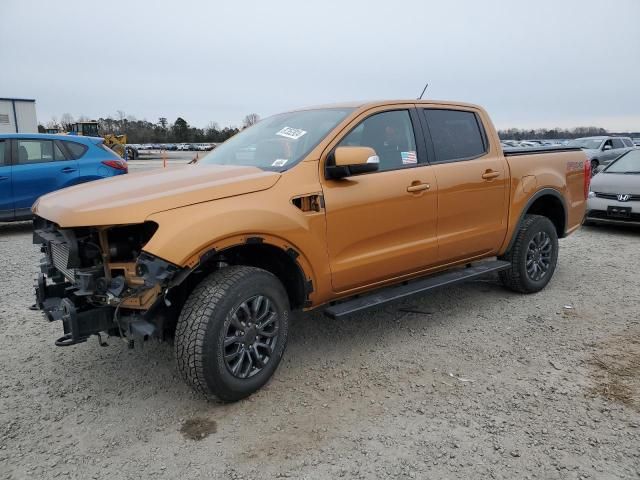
251,336
539,253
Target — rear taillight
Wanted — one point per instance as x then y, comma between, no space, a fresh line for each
117,164
587,178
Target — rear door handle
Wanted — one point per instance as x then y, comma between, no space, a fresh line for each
68,170
418,187
489,174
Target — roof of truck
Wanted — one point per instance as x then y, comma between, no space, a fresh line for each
377,103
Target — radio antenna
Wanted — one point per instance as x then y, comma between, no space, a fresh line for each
423,90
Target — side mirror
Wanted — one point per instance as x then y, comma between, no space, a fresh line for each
607,147
348,161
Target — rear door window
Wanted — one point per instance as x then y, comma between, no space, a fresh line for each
627,142
456,134
76,150
35,151
617,143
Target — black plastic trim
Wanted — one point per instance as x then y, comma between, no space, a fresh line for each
292,253
536,196
254,240
408,289
515,151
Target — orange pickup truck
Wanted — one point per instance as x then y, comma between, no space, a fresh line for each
343,207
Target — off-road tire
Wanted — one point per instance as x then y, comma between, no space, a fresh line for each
203,323
516,277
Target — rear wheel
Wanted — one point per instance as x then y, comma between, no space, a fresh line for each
533,256
232,332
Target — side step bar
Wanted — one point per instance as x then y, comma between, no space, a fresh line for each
399,292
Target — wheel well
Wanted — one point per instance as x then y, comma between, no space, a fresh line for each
551,207
280,263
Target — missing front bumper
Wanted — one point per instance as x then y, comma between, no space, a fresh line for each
80,321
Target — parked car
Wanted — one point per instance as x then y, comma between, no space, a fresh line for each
182,147
33,164
602,150
614,196
343,208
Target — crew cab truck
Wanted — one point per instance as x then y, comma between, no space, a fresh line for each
343,207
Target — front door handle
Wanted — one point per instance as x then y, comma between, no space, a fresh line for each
68,170
418,187
489,174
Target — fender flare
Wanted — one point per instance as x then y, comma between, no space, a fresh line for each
297,256
540,193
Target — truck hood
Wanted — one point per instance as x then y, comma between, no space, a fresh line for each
616,183
133,197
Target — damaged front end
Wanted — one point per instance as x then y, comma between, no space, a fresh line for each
98,279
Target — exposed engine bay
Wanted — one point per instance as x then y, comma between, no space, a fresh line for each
98,279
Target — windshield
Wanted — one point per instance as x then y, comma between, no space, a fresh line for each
627,163
590,143
278,142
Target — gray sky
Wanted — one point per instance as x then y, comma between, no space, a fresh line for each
541,63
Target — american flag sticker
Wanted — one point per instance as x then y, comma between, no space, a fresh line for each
409,157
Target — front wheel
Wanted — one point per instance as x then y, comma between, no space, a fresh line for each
232,332
533,256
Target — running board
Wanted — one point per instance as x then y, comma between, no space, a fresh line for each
402,291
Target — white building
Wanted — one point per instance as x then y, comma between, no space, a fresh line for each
18,115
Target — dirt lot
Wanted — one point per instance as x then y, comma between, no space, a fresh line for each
469,382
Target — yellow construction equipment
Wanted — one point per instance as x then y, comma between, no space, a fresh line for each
117,143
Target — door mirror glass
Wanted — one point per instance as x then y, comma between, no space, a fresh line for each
607,147
349,161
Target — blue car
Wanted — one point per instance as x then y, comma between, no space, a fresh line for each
34,164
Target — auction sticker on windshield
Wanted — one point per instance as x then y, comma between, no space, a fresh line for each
293,133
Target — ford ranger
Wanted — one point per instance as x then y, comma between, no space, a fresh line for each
344,207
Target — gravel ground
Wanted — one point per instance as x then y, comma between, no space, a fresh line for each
468,382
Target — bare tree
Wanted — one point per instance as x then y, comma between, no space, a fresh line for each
250,119
53,123
66,120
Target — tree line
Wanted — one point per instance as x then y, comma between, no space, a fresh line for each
143,131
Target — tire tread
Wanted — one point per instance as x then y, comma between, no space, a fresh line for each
193,321
512,277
